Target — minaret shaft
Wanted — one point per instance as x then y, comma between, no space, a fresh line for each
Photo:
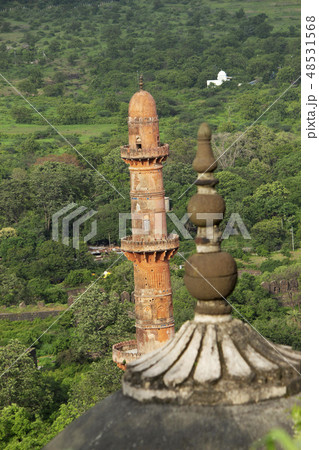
149,247
147,202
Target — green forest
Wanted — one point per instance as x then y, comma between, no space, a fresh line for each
67,72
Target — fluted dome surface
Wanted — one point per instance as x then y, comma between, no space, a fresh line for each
142,105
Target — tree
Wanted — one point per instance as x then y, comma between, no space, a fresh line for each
14,200
261,66
108,221
53,185
183,302
27,87
21,382
22,114
54,90
111,103
12,288
182,149
73,113
54,47
268,233
294,316
5,27
121,278
269,200
103,379
240,14
286,74
100,323
78,277
53,261
30,146
18,428
7,232
232,186
249,106
36,77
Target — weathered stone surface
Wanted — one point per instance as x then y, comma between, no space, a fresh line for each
204,160
149,247
124,352
22,305
281,286
293,285
284,286
210,276
214,360
265,285
201,204
120,422
286,291
274,288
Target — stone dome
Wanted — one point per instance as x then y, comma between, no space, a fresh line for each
142,105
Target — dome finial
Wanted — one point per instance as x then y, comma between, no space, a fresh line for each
213,359
205,160
141,82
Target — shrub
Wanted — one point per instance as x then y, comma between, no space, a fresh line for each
37,288
237,253
270,265
22,114
55,295
262,251
77,277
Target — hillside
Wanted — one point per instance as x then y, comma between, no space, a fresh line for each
77,64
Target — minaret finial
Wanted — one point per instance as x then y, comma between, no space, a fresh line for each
206,209
141,82
213,358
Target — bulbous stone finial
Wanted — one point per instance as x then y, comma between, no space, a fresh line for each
204,132
213,359
204,161
210,275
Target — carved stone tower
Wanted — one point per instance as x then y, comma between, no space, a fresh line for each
149,247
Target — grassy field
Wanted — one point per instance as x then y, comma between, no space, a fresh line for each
32,308
255,261
85,131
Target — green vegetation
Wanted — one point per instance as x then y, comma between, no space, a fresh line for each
278,436
78,67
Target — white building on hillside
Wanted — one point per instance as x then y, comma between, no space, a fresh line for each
221,77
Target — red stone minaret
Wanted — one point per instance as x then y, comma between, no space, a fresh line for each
149,247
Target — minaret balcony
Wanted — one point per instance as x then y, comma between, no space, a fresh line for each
124,353
162,151
149,245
